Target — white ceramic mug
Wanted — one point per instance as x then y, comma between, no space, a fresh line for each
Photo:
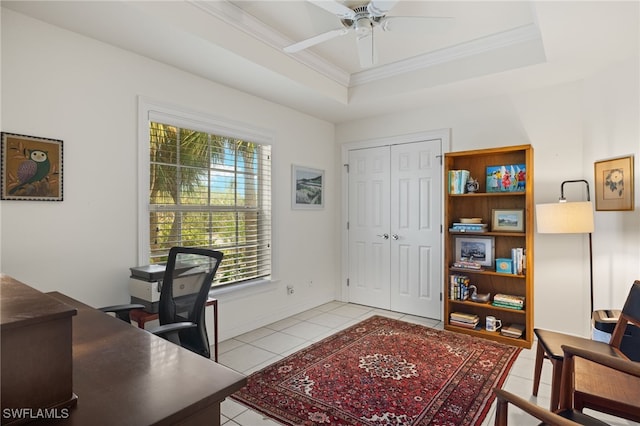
492,323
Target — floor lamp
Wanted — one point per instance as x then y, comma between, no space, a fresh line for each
568,218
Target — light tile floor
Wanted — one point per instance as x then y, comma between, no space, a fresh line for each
252,351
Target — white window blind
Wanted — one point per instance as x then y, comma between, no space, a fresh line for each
210,190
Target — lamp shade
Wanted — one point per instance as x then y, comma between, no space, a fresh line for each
565,218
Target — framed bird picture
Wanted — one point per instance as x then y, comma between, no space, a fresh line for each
31,168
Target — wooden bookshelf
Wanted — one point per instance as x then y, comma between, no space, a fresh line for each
481,205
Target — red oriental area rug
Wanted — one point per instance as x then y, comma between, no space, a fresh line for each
383,372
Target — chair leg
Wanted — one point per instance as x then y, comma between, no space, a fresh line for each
537,369
555,383
501,412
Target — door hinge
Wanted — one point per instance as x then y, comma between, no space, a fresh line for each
347,166
347,225
441,296
439,157
347,282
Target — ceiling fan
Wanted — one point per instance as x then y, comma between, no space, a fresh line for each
362,20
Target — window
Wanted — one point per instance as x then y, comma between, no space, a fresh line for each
207,189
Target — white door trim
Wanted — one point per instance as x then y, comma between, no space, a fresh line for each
445,139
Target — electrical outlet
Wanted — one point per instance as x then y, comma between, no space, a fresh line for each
289,289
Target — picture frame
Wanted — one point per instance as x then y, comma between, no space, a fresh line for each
506,178
307,188
477,249
507,220
31,168
614,184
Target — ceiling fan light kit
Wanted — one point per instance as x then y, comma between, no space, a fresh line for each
362,20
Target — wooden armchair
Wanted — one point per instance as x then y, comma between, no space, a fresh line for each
589,380
550,344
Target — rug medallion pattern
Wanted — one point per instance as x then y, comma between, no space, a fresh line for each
383,372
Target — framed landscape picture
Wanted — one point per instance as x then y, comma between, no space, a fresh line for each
614,183
507,220
307,190
31,168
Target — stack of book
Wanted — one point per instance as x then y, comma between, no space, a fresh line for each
508,301
468,227
462,319
513,330
458,287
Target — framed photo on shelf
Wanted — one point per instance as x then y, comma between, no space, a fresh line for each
31,168
507,220
614,183
506,178
476,249
307,188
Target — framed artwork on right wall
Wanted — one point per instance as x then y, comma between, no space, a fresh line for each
614,183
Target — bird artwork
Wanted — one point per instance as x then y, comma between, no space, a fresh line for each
32,170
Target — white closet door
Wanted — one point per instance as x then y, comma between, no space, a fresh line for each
416,258
394,227
369,240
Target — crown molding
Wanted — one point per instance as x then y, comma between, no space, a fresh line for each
478,46
238,18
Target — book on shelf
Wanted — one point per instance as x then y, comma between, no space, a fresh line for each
463,324
468,227
464,317
513,330
508,301
507,305
458,287
458,181
508,298
467,264
518,260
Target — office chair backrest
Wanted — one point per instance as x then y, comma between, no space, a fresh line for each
185,290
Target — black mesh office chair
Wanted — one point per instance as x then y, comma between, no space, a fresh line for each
183,297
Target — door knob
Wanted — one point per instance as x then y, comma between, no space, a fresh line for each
395,236
384,236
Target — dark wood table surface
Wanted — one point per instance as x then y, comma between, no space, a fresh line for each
123,375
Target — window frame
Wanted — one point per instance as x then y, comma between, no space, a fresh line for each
149,110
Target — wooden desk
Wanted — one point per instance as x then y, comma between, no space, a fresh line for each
127,376
141,317
31,375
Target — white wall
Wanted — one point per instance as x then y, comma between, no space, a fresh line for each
570,126
60,85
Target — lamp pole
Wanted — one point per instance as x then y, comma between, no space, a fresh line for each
563,200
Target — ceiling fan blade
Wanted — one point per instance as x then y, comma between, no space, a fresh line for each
416,24
380,7
334,7
366,50
296,47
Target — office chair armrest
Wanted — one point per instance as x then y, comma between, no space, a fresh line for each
504,398
122,311
168,330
